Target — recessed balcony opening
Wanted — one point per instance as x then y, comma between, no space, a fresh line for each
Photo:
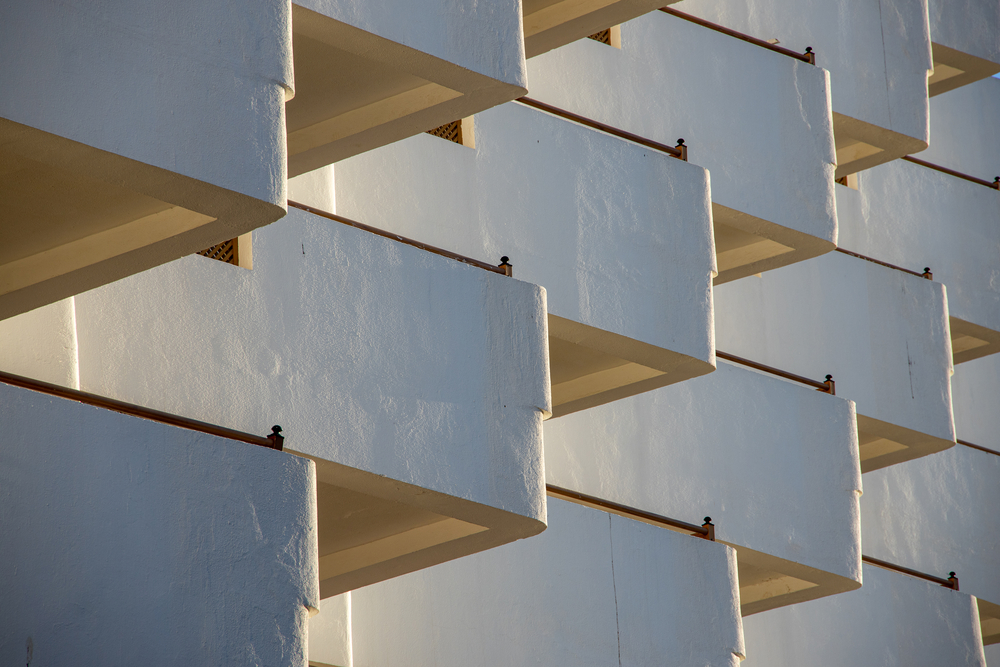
355,91
971,341
882,444
861,145
611,36
238,251
953,69
746,245
590,367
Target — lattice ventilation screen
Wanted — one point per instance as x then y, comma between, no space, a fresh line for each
604,36
451,131
227,251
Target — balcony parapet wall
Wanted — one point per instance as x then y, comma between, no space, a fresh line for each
900,619
119,159
965,136
878,53
119,523
965,36
882,334
762,129
619,235
676,451
416,383
592,587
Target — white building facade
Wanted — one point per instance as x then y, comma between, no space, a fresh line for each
543,333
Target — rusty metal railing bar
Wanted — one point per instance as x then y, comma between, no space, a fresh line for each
273,441
965,443
951,172
679,151
808,57
707,530
926,274
504,268
951,582
829,386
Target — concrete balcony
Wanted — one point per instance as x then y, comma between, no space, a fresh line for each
762,128
973,388
893,619
878,53
589,589
619,235
368,74
794,518
881,333
416,383
913,216
111,520
938,515
115,160
549,24
965,36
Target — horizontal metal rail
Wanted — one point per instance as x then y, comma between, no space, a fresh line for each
706,530
679,151
951,172
829,387
926,274
979,447
951,582
273,441
808,57
504,268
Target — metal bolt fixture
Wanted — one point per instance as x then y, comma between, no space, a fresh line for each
953,581
710,527
831,386
996,182
683,149
508,268
811,54
277,440
927,273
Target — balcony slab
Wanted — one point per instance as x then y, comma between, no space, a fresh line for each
965,36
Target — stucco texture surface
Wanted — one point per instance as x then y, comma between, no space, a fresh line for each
619,235
881,333
974,388
773,463
194,87
969,26
758,121
877,51
592,590
485,37
938,514
130,542
41,344
892,621
913,217
442,385
964,133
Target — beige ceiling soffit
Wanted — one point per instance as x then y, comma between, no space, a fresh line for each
394,546
610,378
559,13
768,582
954,69
989,621
98,247
883,444
369,116
971,341
861,145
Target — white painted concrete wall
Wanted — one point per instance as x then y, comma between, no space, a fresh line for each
882,334
964,133
969,26
41,344
330,633
757,120
369,353
974,389
592,590
775,464
619,235
938,514
485,37
892,621
877,51
916,217
195,87
130,542
992,654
